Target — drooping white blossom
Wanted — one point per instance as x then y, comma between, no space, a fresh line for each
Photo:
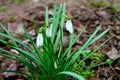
39,40
49,31
36,1
69,26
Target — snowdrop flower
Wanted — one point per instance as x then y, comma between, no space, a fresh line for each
36,1
39,41
69,26
49,31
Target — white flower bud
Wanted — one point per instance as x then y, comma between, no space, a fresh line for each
39,40
49,31
69,26
36,1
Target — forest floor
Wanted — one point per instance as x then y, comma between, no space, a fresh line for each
82,13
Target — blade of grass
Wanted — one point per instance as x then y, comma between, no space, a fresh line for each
46,17
57,42
63,16
99,36
61,28
54,12
60,32
76,54
95,50
18,41
35,25
70,46
55,24
38,52
15,57
79,77
71,41
16,71
30,57
89,40
73,59
9,55
3,27
3,41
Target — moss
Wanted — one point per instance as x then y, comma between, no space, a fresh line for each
99,4
11,19
17,2
3,8
117,8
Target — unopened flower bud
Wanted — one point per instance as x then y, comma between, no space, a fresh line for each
49,31
69,26
39,40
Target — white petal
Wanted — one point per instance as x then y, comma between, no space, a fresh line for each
35,0
39,41
49,31
69,26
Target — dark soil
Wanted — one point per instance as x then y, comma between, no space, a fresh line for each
82,14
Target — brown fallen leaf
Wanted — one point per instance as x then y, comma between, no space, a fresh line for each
16,27
12,66
78,25
14,51
66,42
97,79
113,53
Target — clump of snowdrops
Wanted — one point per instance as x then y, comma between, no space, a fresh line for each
48,60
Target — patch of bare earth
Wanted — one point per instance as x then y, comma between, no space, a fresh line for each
82,14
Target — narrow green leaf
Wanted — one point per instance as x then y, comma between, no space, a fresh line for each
56,23
99,36
57,42
79,77
46,17
15,71
63,16
73,42
9,55
8,33
74,58
91,37
38,52
17,41
95,50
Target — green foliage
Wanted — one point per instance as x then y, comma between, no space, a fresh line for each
109,3
17,2
117,8
96,59
99,4
82,70
109,61
3,8
118,17
11,19
53,62
86,67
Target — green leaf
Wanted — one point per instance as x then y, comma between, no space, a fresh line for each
55,23
38,52
73,42
95,50
47,17
8,33
109,61
89,40
79,77
15,41
99,36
